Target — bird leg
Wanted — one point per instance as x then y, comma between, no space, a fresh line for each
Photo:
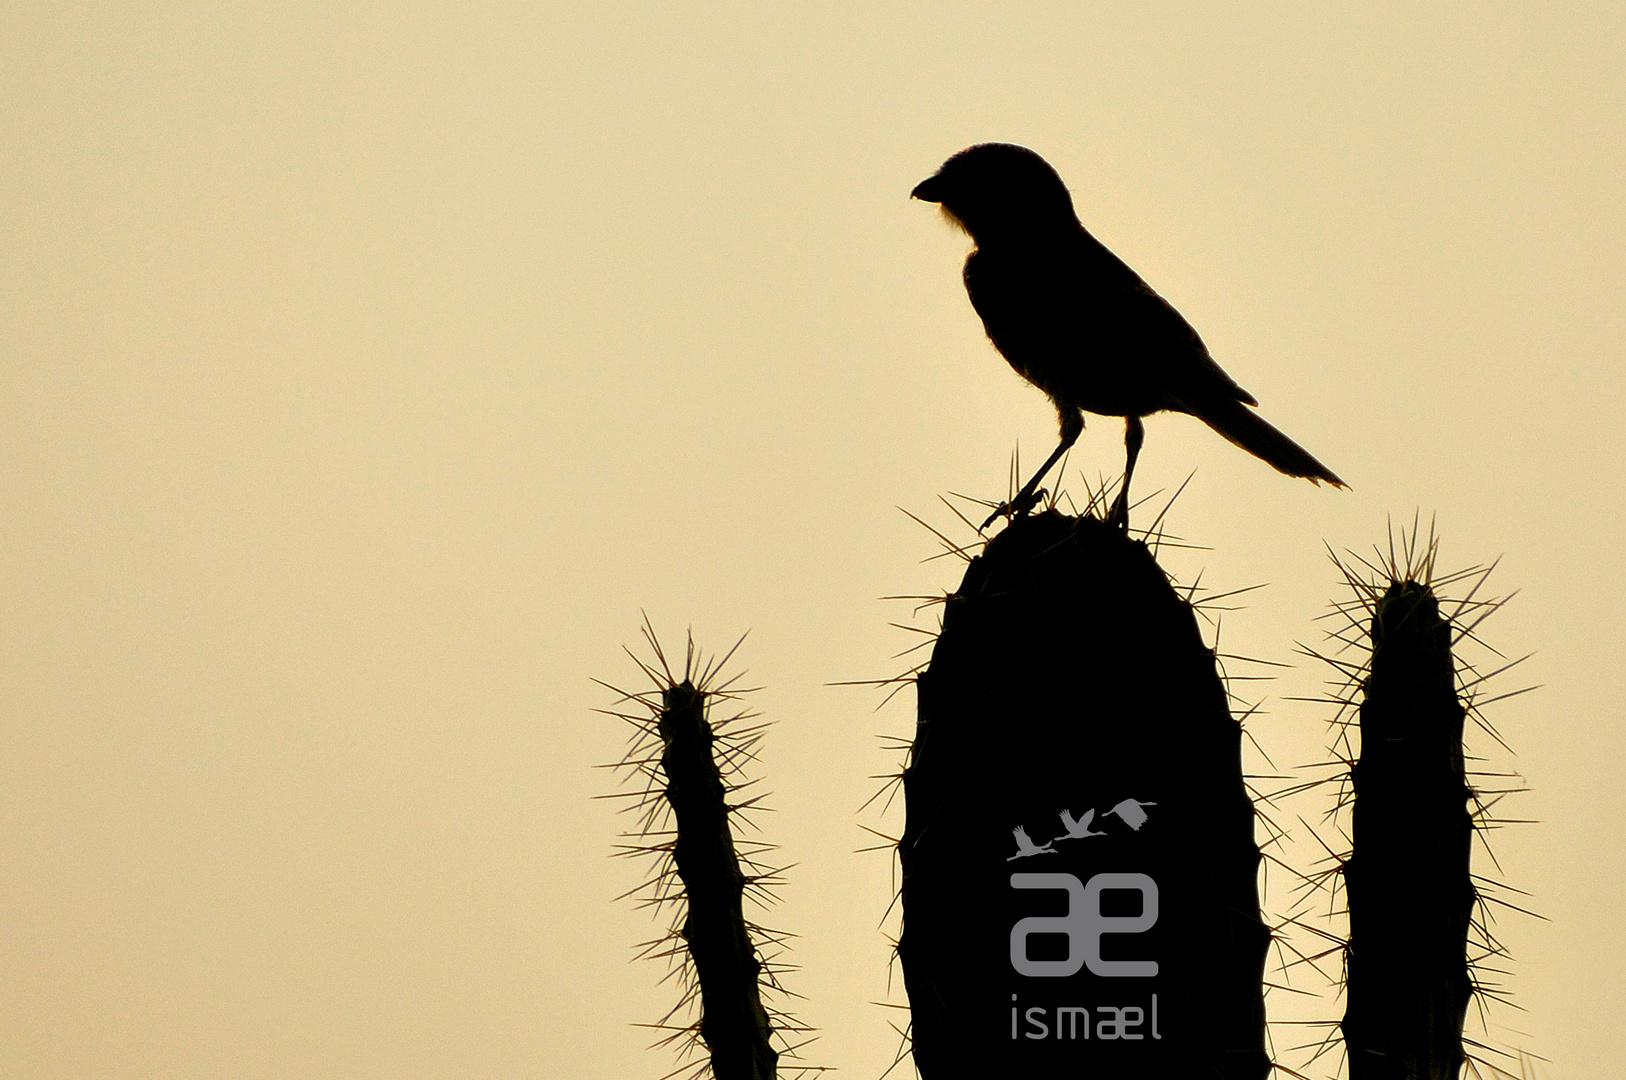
1072,425
1134,435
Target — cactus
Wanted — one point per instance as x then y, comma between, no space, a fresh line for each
1070,677
692,766
1420,938
733,1023
1410,893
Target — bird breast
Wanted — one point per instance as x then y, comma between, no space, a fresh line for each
1058,330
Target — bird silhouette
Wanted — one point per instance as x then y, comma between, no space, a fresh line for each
1077,830
1074,320
1026,847
1130,812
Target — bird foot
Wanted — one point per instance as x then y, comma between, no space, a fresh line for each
1118,514
1016,508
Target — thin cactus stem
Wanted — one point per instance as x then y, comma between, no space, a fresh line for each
733,1022
1409,890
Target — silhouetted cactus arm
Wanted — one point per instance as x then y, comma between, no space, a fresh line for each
1070,679
1410,894
733,1022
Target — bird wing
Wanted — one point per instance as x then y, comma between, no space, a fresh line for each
1074,319
1172,348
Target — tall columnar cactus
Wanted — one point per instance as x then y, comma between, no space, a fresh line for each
733,1022
1421,941
1409,891
1079,868
691,766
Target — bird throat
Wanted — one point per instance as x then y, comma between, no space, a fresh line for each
953,219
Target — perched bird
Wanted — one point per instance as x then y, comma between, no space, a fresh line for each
1079,324
1076,830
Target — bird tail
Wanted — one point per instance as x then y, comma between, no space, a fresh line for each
1247,429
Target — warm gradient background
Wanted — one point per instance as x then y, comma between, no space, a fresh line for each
366,369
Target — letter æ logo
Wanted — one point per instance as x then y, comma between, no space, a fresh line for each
1083,920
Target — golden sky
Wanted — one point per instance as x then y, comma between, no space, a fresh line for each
367,369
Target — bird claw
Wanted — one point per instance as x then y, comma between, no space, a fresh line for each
1018,507
1118,514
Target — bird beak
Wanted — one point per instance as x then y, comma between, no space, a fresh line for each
928,190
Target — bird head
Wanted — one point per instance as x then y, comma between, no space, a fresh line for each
998,191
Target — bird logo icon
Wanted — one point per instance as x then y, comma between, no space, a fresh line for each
1079,829
1026,847
1131,812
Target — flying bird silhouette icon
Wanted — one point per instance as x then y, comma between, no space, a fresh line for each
1130,812
1026,847
1079,829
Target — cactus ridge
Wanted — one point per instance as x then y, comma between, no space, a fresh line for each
692,768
